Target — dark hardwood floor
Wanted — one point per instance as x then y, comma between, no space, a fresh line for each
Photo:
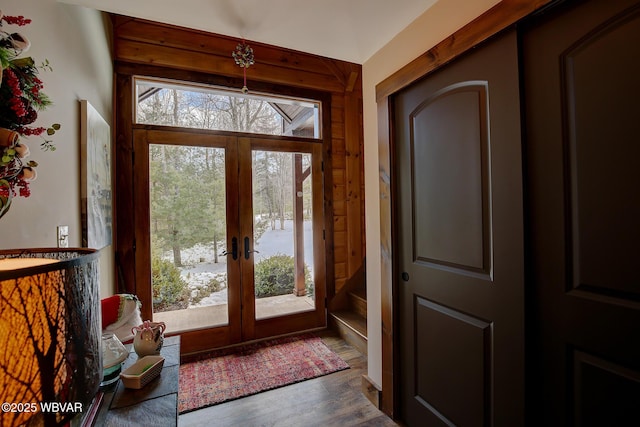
332,400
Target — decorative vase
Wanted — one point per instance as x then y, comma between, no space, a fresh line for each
148,338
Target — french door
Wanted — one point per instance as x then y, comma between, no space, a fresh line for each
231,247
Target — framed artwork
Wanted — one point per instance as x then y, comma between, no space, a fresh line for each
96,194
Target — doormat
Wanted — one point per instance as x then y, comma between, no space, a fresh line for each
228,374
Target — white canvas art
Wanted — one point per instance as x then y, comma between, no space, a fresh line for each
96,178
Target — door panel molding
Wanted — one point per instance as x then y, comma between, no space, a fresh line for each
459,218
593,378
588,75
463,342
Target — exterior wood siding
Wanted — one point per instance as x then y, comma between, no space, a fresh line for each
160,50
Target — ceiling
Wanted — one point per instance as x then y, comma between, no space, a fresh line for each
350,30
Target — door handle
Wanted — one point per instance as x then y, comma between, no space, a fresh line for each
234,249
247,252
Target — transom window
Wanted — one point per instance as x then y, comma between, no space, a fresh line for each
173,103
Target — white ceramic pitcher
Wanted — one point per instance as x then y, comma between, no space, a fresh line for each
148,338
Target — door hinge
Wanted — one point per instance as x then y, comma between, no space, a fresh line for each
134,245
324,234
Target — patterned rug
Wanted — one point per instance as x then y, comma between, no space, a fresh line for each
229,374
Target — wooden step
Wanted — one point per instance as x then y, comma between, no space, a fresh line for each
358,302
352,328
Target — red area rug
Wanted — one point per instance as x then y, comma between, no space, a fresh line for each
229,374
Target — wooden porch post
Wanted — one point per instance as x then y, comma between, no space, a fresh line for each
298,226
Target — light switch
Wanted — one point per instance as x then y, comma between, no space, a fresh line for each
63,236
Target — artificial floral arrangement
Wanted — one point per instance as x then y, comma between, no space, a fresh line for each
21,97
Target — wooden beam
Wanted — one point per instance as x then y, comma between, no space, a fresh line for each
298,224
351,83
335,70
354,176
499,17
306,173
124,202
174,57
186,39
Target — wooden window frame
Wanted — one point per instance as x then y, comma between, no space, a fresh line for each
129,211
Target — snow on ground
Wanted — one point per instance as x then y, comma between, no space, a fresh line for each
216,298
199,267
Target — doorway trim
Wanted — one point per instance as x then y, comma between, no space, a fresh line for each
501,16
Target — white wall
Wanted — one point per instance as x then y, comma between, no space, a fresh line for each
437,23
75,40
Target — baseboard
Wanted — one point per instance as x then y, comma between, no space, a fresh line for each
371,390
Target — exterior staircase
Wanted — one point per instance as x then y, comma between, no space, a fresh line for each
350,321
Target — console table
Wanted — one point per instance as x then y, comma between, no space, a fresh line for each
156,403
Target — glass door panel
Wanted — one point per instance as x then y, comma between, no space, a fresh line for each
232,249
188,232
283,233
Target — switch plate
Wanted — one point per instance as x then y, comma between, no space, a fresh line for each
63,236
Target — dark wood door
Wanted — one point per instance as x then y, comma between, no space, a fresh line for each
460,242
581,67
